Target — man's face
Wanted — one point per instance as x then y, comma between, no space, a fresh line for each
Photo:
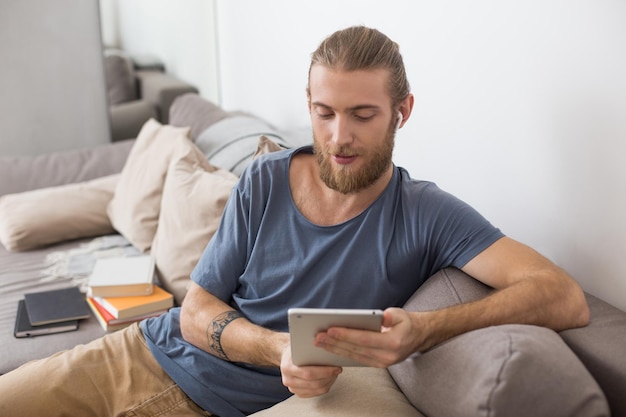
353,126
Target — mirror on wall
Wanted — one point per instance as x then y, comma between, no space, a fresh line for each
156,50
59,89
51,77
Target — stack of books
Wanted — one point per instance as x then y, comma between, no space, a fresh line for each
122,292
49,312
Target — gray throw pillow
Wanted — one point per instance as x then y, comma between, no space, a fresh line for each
232,142
510,370
197,113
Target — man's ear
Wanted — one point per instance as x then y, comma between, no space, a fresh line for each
406,107
400,120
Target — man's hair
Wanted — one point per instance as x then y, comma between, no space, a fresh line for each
363,48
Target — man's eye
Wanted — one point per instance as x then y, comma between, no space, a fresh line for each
324,115
363,118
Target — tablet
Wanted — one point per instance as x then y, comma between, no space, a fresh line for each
305,323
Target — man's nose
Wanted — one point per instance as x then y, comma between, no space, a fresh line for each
342,132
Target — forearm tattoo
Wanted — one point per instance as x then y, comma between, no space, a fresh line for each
215,329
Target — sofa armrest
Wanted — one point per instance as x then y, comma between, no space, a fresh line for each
127,119
161,89
24,173
601,346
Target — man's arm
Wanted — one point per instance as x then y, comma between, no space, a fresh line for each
213,326
529,290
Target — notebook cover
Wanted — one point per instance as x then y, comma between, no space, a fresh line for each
23,328
56,306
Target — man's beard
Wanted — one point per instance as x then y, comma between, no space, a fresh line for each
346,179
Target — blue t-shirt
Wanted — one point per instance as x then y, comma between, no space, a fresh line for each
267,257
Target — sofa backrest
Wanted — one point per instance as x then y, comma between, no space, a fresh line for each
23,173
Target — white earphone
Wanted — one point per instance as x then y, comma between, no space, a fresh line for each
400,120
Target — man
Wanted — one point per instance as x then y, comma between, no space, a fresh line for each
336,225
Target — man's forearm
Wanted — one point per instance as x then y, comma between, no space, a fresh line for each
552,301
243,341
530,289
216,328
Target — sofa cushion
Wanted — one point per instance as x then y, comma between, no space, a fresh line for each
40,217
120,77
23,272
358,392
194,197
599,345
446,288
232,142
511,370
134,209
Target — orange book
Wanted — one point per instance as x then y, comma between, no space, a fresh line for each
110,323
127,307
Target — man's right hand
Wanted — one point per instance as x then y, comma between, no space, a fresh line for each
307,381
208,323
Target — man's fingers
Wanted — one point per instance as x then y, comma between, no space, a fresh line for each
377,349
357,346
311,381
308,389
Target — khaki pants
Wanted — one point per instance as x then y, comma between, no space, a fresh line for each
112,376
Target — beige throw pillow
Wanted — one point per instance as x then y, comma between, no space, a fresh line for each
194,197
266,145
41,217
134,210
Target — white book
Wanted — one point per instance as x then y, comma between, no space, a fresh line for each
122,276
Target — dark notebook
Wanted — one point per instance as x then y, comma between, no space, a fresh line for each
55,306
23,328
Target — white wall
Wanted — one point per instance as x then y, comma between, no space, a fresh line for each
519,107
179,33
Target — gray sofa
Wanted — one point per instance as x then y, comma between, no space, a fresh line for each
503,370
138,89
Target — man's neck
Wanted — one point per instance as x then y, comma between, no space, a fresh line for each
322,205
